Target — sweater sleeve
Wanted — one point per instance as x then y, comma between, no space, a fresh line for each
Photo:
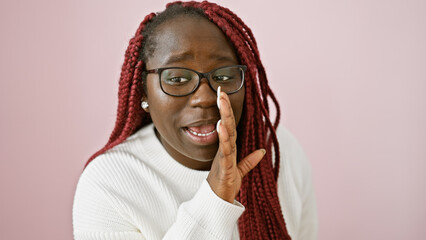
96,214
206,216
301,171
308,226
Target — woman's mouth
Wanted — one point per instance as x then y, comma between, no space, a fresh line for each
204,134
201,134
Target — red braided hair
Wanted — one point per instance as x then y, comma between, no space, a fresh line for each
263,218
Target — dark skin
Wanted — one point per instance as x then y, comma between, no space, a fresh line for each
196,43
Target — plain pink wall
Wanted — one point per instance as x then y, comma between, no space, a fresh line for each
350,76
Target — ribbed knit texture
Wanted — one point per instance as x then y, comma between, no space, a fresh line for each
137,191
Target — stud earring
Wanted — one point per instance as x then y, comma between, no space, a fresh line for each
145,105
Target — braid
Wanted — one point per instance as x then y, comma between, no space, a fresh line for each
263,218
130,115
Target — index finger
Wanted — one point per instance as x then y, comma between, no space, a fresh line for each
226,114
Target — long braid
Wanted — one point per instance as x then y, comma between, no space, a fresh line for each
263,218
130,116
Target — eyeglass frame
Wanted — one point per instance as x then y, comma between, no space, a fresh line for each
200,76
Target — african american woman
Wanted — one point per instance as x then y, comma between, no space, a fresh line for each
194,153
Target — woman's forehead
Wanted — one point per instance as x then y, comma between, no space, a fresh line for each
189,38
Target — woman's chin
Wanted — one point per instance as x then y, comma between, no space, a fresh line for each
204,157
203,154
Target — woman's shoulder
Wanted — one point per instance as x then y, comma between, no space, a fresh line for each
295,187
126,156
110,185
293,156
287,140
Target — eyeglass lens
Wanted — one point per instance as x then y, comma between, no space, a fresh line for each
177,81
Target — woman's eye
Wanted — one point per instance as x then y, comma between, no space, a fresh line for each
177,80
222,78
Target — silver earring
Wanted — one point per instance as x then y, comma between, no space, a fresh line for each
144,104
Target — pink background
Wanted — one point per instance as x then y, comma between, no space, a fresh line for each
350,76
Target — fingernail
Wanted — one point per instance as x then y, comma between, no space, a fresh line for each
218,97
263,150
217,126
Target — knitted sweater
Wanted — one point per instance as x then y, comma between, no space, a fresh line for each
136,190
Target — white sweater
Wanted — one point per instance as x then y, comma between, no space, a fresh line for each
136,190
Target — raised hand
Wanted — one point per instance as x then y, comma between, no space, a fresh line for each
226,174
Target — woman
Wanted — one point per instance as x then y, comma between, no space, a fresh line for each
174,168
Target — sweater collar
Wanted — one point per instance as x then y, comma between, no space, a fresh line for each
159,159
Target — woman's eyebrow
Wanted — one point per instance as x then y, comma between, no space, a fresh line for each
222,58
176,58
181,57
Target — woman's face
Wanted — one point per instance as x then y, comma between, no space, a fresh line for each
195,43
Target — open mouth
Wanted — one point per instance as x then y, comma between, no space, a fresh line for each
201,134
204,134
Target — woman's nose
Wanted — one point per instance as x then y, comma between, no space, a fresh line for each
204,96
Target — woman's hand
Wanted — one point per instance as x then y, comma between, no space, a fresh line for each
226,174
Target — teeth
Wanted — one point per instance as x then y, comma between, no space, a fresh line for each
202,134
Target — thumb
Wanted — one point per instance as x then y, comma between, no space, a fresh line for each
250,161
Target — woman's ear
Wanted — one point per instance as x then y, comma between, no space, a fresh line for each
144,104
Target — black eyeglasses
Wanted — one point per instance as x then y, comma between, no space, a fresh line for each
180,81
